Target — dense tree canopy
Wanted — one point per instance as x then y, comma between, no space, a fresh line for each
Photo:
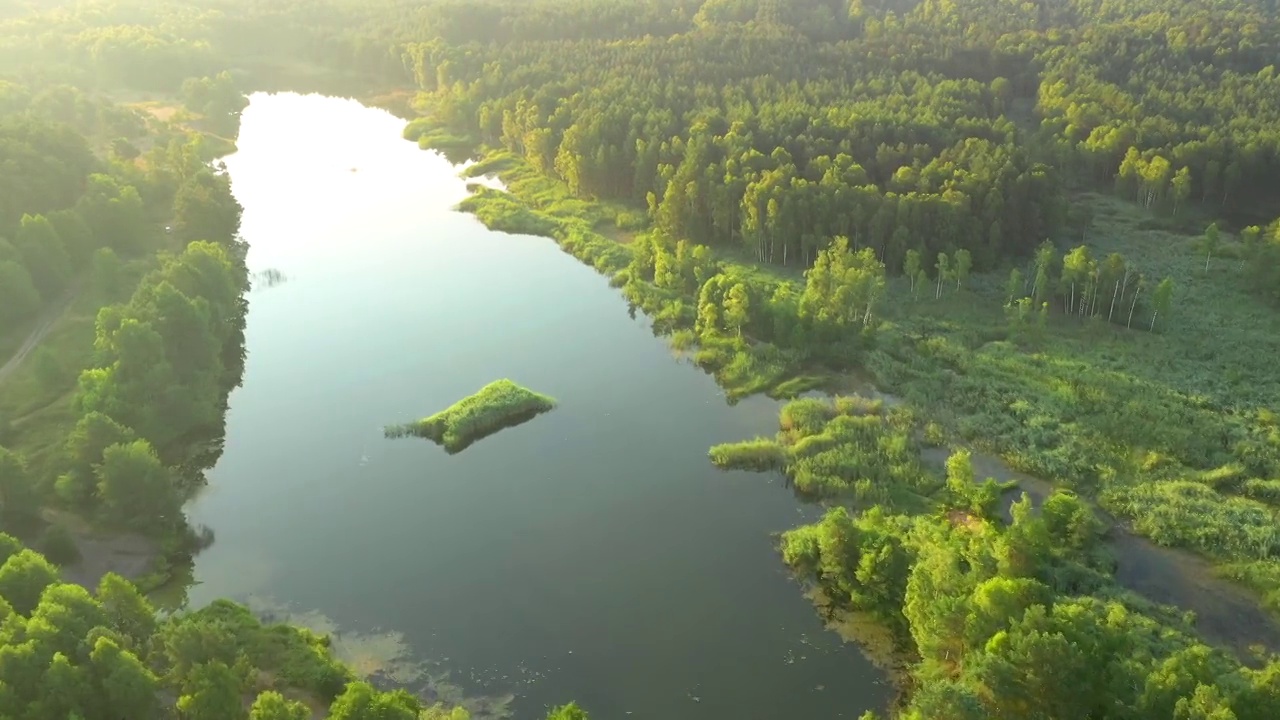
849,140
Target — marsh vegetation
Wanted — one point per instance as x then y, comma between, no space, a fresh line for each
927,553
498,405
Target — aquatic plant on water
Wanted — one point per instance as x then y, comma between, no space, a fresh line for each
500,404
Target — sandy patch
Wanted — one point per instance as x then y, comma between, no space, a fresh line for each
126,554
163,113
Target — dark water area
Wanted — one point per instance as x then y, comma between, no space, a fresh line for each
1226,615
590,554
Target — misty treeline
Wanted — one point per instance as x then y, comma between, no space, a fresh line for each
911,131
774,125
86,217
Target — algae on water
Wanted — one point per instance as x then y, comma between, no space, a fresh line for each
500,404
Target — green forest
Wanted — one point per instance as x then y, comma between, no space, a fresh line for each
1051,229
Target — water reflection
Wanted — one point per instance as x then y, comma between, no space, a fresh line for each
269,278
385,659
594,555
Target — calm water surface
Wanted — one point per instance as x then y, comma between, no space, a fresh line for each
591,554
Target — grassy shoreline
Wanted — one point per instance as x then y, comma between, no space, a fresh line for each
606,236
938,355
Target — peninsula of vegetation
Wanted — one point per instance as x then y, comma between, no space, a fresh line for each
968,592
500,404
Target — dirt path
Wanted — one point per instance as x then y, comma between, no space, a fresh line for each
126,554
48,319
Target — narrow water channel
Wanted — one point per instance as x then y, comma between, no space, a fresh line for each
1226,614
590,554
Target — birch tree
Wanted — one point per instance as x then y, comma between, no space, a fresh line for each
1142,283
964,263
1212,237
1181,185
737,307
1161,300
1014,287
1045,257
944,270
1249,238
1156,174
1127,175
1076,266
911,268
1117,275
842,286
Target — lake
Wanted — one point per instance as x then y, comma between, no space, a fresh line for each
591,554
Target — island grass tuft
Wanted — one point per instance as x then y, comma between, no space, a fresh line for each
503,213
760,454
498,405
848,448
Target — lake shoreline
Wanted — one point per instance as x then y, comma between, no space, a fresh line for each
150,559
605,506
508,169
872,638
1233,620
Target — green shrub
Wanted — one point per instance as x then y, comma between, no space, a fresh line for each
760,454
503,213
843,447
498,405
806,415
934,435
630,221
1189,514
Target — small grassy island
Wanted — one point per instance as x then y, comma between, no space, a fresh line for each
500,404
822,444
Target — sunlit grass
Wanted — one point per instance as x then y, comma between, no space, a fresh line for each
430,134
1172,429
498,405
847,448
760,454
501,212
